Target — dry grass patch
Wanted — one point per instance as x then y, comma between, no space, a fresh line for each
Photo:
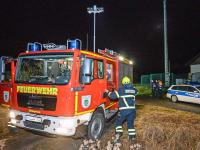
160,128
3,121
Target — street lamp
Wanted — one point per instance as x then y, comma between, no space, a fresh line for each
94,10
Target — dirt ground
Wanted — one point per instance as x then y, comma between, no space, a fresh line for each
160,125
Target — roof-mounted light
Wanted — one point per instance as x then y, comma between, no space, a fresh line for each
52,46
33,47
74,44
108,52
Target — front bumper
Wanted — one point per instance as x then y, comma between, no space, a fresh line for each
65,126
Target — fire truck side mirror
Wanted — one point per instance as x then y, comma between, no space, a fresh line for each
86,71
2,69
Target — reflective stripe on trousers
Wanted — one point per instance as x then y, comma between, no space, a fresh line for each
119,129
131,132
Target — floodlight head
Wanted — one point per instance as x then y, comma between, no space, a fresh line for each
95,9
89,10
100,10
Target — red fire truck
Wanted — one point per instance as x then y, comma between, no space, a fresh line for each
7,72
60,88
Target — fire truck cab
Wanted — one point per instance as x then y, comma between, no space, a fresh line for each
7,72
58,89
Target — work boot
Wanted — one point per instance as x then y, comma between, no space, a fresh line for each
132,138
118,134
117,138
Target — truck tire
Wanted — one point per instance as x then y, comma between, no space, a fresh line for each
96,125
174,98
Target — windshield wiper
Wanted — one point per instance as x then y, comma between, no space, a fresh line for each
37,78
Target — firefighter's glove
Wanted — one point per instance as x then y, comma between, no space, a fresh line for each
105,94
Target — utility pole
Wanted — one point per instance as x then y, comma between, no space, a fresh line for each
166,63
94,10
87,41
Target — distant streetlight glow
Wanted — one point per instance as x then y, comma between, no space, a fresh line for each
94,10
131,62
121,58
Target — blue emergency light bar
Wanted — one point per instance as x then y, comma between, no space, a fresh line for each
74,44
33,47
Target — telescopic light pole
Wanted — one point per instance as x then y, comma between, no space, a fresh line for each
94,10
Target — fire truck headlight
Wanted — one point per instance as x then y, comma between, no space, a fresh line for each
13,121
12,114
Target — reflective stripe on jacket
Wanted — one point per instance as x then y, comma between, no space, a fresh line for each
126,95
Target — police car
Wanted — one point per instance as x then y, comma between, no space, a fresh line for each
186,93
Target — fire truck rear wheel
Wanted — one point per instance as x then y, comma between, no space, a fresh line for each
96,125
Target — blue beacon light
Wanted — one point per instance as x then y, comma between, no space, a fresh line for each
74,44
33,47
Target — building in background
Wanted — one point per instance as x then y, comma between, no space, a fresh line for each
194,64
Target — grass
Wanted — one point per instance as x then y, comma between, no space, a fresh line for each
144,90
160,128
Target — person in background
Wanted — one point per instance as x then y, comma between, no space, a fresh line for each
153,88
160,87
126,96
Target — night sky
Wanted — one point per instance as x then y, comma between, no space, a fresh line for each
133,28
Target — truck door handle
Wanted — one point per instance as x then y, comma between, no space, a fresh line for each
9,85
80,88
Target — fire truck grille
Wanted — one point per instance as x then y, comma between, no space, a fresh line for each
33,125
42,102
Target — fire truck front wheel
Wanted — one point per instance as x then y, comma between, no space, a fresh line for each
96,125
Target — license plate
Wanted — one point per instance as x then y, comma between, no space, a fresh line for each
34,119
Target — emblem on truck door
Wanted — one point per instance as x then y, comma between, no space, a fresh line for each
86,101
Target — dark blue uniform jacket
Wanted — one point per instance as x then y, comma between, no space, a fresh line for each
126,95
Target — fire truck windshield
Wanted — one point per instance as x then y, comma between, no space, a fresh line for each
44,69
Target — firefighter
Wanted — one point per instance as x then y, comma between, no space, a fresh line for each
126,95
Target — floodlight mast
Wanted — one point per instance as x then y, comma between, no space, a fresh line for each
166,61
94,10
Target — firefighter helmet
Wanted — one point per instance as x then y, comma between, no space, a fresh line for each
126,80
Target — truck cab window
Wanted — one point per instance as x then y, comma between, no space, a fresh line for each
45,69
86,74
7,72
109,72
100,68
